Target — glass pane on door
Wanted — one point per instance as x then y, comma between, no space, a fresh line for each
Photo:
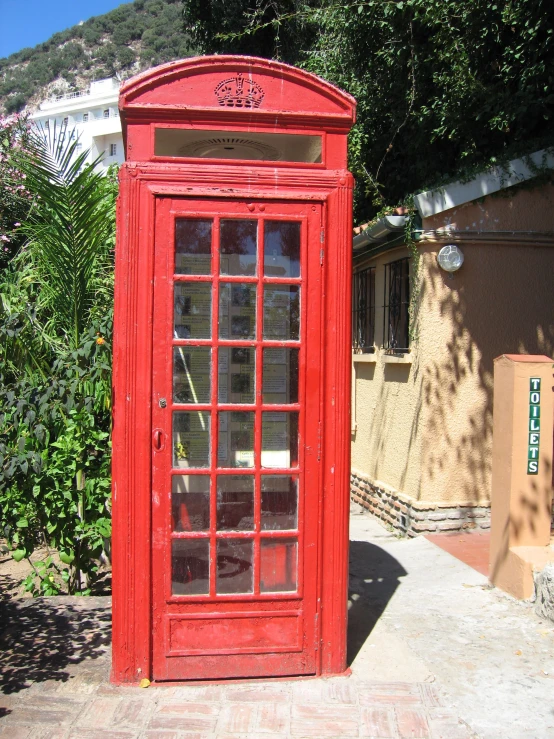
191,439
235,503
193,246
280,375
191,374
279,440
282,249
282,312
238,247
235,558
190,566
279,502
236,439
237,374
193,310
279,565
237,310
190,502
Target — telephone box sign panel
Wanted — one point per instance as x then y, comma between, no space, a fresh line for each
231,374
534,425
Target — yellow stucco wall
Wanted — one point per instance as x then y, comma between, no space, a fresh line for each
425,428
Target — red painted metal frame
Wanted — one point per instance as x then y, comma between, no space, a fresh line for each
294,101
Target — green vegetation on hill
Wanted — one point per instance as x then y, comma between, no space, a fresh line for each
133,37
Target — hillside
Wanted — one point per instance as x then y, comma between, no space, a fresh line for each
120,43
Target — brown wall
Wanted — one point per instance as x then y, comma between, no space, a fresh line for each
425,428
522,210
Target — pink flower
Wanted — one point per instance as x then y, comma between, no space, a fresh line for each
17,225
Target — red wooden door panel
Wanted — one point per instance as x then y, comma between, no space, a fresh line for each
235,438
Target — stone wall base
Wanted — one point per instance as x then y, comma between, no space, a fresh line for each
410,517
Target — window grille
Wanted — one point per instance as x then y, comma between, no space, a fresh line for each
85,117
363,310
107,113
396,306
113,150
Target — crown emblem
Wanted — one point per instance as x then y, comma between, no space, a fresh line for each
237,92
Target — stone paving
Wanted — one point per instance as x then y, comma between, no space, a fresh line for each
411,673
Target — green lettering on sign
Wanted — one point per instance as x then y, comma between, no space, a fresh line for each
534,425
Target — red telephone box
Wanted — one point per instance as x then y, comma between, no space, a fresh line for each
231,373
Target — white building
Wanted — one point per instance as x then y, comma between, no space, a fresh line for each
93,116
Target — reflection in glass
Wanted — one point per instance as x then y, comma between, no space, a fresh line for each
279,502
279,440
278,565
280,375
190,502
237,374
235,503
238,247
237,310
282,312
191,439
191,374
234,566
236,439
193,246
281,249
193,310
190,566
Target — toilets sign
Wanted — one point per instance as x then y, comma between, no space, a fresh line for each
534,425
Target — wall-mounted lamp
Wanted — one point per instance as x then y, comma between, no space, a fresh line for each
450,258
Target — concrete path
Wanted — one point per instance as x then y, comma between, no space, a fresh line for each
434,652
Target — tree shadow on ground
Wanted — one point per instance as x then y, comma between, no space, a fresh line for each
373,580
44,638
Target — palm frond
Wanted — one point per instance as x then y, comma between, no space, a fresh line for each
68,226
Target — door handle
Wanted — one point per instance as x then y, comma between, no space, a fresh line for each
158,440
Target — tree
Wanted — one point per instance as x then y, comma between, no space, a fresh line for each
275,29
444,87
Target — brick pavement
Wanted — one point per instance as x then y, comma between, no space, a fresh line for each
55,660
295,709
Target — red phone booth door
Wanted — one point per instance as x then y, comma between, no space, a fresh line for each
236,409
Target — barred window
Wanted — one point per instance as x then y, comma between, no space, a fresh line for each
363,310
396,306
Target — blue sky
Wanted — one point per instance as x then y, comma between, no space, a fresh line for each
30,22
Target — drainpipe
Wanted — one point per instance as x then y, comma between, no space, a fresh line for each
376,233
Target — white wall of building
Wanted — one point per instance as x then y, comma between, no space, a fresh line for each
92,115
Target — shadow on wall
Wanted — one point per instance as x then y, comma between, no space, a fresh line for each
42,639
438,445
499,303
387,416
374,578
